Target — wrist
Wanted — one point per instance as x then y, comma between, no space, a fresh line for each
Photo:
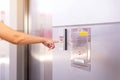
43,40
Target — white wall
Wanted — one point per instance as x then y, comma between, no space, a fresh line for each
9,51
70,12
4,46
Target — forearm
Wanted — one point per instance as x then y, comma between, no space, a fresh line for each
15,37
23,38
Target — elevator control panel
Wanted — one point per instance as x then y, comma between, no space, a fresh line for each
80,47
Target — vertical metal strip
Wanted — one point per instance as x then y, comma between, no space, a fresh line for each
22,51
65,39
26,30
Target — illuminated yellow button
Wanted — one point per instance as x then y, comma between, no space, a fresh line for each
83,33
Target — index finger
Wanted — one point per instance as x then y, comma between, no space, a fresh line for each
55,41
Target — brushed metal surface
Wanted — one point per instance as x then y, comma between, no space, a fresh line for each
105,56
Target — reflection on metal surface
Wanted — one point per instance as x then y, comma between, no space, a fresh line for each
4,60
43,8
4,68
42,58
46,58
40,25
80,56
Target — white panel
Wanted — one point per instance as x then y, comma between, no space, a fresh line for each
70,12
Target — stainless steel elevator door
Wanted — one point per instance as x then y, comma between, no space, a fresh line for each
56,64
105,56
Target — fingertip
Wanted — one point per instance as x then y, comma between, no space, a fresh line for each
56,41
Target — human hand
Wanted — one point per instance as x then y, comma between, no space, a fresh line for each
50,43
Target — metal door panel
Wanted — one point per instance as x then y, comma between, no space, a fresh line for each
104,55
